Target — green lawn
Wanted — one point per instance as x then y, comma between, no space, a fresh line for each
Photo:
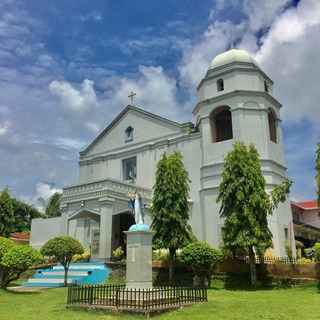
301,302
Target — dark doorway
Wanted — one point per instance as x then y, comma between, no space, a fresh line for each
126,221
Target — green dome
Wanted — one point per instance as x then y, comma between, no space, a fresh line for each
233,55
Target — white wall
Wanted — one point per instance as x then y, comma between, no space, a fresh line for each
43,230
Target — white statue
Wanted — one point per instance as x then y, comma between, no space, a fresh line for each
137,206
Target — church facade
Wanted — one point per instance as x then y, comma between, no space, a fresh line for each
235,102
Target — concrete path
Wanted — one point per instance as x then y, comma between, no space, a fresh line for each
26,289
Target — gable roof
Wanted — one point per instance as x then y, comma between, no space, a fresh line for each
307,205
20,236
130,108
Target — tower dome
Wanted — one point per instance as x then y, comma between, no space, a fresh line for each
232,55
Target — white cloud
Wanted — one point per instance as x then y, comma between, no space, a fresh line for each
9,140
78,101
262,13
154,89
286,56
44,191
197,57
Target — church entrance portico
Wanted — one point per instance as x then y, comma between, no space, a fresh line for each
97,213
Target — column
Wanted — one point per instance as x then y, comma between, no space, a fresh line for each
106,213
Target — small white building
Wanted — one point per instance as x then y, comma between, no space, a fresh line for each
306,222
235,102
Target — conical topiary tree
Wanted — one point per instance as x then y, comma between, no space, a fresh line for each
170,209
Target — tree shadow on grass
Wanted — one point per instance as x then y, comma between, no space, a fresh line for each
242,282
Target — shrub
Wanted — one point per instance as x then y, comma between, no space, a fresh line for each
278,261
85,257
299,244
160,255
317,252
288,250
14,260
118,253
201,258
309,252
304,260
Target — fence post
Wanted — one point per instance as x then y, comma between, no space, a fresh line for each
91,295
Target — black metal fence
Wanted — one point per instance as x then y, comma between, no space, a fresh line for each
117,296
266,260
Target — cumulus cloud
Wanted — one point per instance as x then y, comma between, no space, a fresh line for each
197,57
294,68
261,13
154,89
76,100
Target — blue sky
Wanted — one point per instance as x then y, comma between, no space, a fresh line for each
67,67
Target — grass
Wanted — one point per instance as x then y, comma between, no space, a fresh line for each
294,302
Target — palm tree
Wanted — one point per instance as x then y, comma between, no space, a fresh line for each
52,207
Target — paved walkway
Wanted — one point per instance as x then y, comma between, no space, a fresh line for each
26,289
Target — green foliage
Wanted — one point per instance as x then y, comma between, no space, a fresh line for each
288,250
6,214
23,214
5,246
201,258
299,244
317,168
170,208
159,255
308,252
85,257
15,216
245,204
63,248
52,207
278,261
317,252
193,130
304,260
118,253
14,260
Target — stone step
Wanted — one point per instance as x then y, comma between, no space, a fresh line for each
78,273
51,280
61,273
82,266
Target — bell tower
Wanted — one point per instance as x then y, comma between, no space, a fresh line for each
235,102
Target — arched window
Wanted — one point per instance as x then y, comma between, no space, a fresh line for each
221,125
272,126
220,85
129,134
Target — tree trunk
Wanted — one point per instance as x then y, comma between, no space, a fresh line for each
253,270
172,252
65,283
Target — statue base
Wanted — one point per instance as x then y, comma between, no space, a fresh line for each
140,226
139,258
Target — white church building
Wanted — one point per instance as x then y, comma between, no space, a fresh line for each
235,102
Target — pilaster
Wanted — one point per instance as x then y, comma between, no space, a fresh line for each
106,213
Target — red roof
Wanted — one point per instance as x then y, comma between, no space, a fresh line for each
308,205
20,236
